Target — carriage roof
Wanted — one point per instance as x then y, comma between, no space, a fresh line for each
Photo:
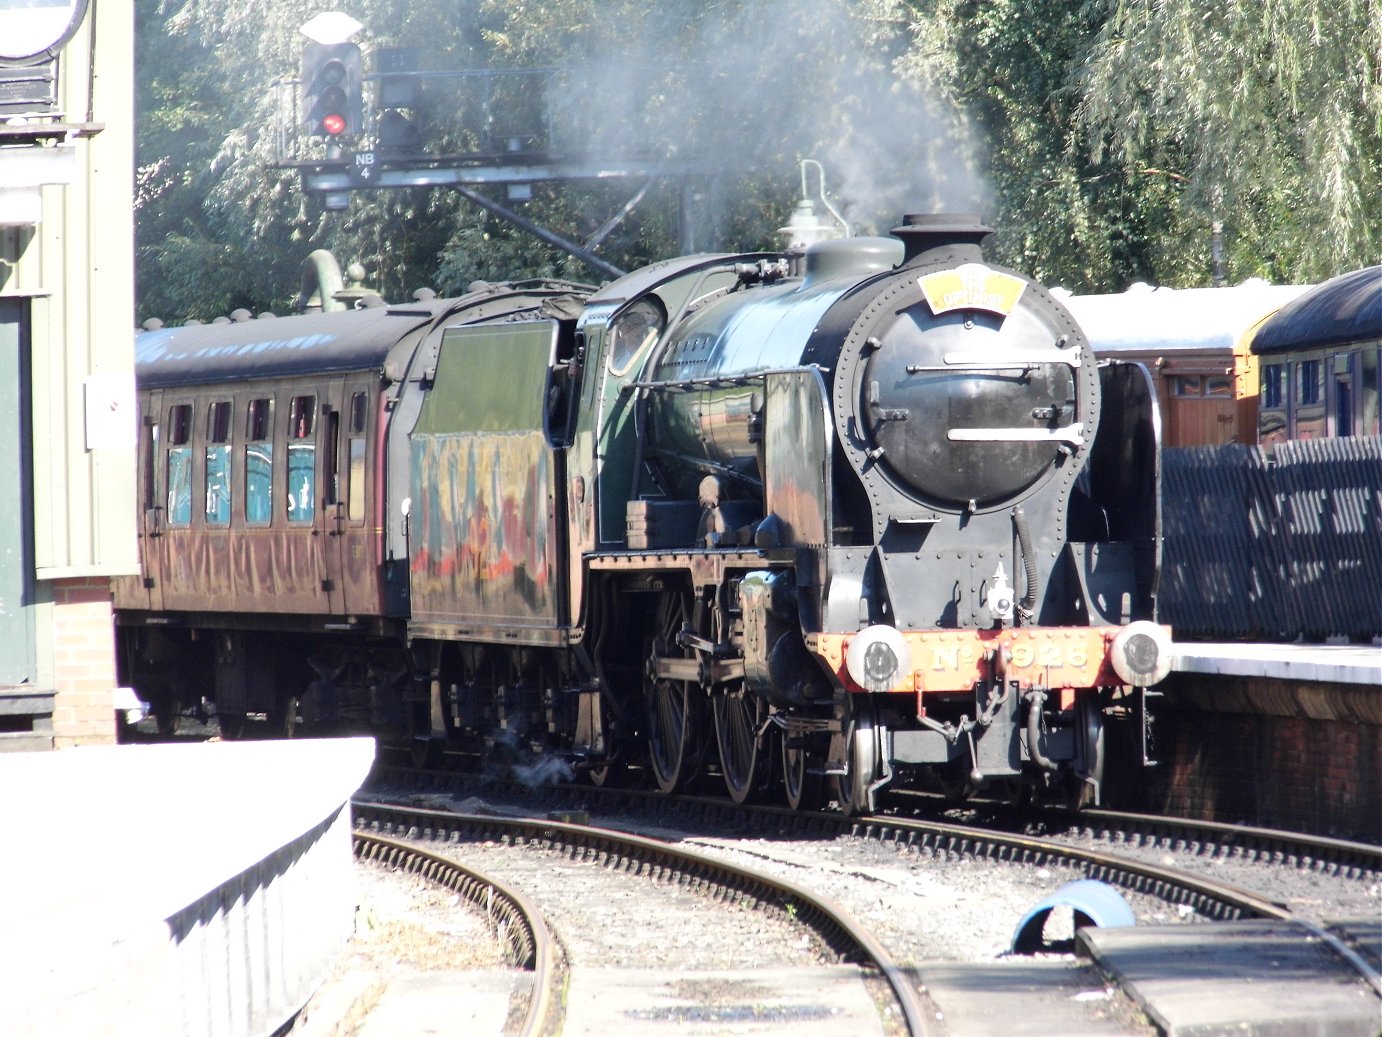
1342,310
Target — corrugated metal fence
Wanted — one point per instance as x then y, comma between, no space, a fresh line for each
1273,549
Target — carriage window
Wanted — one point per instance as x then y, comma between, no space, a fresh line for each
1271,385
179,465
1310,384
180,424
259,461
218,464
1219,385
302,459
1369,408
1186,385
355,506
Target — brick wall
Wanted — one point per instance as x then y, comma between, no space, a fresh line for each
83,662
1225,756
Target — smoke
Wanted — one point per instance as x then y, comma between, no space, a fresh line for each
750,89
545,770
510,746
736,94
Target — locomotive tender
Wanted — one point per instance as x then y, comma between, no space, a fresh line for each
869,514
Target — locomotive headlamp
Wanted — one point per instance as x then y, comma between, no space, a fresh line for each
1141,654
1000,597
877,658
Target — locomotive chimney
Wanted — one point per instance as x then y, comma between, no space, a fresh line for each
957,235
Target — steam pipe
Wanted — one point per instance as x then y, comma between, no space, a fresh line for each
1024,545
1036,698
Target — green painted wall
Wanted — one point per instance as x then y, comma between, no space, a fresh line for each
16,562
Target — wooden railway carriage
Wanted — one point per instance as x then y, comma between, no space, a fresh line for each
1196,342
273,575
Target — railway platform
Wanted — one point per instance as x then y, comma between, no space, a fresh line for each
1332,664
1273,735
1246,978
169,889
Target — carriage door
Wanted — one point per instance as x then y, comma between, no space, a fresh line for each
355,537
151,501
329,516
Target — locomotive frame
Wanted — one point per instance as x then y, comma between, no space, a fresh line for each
870,514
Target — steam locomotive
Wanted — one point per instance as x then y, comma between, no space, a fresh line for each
872,513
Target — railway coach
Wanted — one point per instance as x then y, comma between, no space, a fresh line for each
1320,355
273,575
1197,344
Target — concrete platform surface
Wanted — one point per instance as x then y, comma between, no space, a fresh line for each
474,1003
1245,979
823,1002
1341,664
174,888
1030,997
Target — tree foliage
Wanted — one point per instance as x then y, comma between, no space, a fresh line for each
1121,132
1103,138
1271,111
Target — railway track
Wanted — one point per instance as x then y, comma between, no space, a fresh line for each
994,831
849,941
1212,838
739,833
516,924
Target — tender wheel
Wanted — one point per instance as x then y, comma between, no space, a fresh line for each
165,709
612,775
425,750
861,761
739,720
675,707
802,779
614,772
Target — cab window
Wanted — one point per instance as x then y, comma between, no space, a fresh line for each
632,331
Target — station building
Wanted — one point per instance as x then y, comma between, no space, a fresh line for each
67,411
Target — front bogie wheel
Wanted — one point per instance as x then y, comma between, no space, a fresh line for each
854,786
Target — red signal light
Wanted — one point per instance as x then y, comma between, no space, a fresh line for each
333,124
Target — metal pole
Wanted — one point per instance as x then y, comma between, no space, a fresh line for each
608,227
584,255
